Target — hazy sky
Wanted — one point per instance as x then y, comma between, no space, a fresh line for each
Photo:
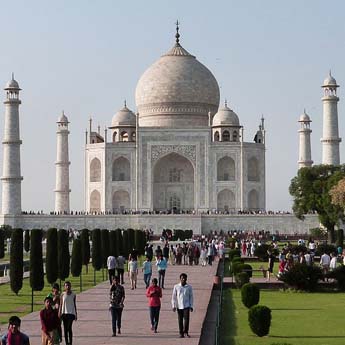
269,57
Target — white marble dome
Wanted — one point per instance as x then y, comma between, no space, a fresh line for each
63,118
124,117
176,91
329,80
12,84
304,117
225,117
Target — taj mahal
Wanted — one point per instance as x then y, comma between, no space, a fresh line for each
180,161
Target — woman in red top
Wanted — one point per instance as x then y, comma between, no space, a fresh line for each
154,293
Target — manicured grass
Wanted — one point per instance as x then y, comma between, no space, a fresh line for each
10,304
297,319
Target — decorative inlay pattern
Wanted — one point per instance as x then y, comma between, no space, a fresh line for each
157,151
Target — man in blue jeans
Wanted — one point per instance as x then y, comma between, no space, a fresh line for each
147,270
117,297
182,301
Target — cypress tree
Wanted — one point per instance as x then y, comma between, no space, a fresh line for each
137,241
85,247
76,263
27,240
96,249
63,254
36,261
2,243
131,241
112,243
16,260
52,268
119,242
105,247
125,247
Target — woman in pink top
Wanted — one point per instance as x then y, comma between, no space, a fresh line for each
154,294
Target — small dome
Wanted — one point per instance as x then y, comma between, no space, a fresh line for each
124,117
330,81
225,117
304,117
63,118
12,85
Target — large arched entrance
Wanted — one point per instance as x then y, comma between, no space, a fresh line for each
173,184
121,201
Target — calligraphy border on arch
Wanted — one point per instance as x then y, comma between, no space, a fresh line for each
157,151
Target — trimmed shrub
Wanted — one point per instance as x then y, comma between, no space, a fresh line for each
16,260
85,248
339,275
248,269
233,253
261,252
76,262
250,294
96,249
27,240
302,277
63,254
2,243
119,242
36,261
125,244
323,247
112,243
259,318
131,244
51,255
241,279
298,249
340,238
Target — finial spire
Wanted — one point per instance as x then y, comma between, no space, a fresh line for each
12,76
226,103
177,32
125,103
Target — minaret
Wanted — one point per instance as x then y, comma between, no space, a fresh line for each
11,178
330,136
62,167
304,157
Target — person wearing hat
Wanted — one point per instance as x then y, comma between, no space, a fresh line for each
14,336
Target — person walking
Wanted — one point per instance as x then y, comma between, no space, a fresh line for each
55,296
120,267
50,323
111,264
271,259
117,298
14,335
182,302
154,294
133,272
68,311
162,265
147,270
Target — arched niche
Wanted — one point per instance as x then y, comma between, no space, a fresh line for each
173,183
95,170
121,201
95,201
253,200
226,135
253,169
226,169
121,169
226,200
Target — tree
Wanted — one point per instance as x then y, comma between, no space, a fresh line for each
131,242
63,254
105,246
310,190
2,243
119,242
76,263
96,249
27,240
112,243
36,261
125,244
16,260
85,247
52,267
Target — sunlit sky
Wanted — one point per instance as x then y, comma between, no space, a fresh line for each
85,57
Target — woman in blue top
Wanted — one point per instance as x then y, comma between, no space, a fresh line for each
161,266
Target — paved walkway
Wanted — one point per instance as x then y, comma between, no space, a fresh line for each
94,321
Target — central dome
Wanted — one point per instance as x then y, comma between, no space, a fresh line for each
176,91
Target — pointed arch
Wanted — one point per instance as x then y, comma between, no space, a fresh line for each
95,170
226,169
216,136
226,200
253,200
95,201
226,135
121,170
121,201
253,169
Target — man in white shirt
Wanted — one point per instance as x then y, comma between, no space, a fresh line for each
111,264
182,301
325,260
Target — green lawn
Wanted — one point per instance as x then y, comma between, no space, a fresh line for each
11,304
297,319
